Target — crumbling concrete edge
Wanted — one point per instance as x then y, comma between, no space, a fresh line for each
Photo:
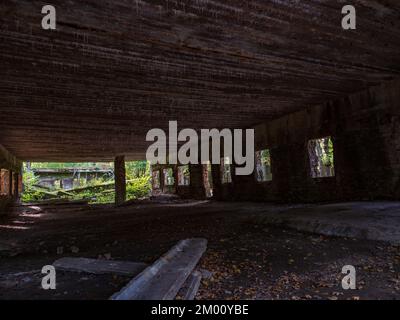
326,229
135,288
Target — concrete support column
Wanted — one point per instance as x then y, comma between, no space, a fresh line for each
217,184
20,185
10,183
175,173
120,180
14,168
197,187
15,185
162,184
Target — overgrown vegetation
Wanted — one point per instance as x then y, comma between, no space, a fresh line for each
327,155
321,156
99,190
31,193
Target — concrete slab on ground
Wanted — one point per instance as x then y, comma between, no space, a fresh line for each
191,286
163,279
361,220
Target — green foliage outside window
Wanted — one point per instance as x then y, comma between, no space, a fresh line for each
100,190
327,156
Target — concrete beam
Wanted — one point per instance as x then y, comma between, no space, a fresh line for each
229,57
120,180
163,279
8,161
197,186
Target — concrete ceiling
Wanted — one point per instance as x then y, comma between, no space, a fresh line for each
115,69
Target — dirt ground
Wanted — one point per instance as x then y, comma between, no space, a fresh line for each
247,260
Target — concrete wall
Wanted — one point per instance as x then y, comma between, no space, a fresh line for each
14,167
195,190
365,128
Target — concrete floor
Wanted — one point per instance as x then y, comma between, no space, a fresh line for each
254,251
361,220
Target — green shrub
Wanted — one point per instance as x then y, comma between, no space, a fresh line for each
138,188
31,194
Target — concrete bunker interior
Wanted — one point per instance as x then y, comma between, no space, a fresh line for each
324,104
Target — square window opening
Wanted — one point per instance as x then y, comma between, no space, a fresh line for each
156,179
226,176
263,166
169,179
321,155
183,175
4,182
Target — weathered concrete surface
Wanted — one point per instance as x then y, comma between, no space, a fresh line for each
115,69
14,167
120,180
195,189
164,279
362,220
97,266
4,247
190,287
245,260
8,161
